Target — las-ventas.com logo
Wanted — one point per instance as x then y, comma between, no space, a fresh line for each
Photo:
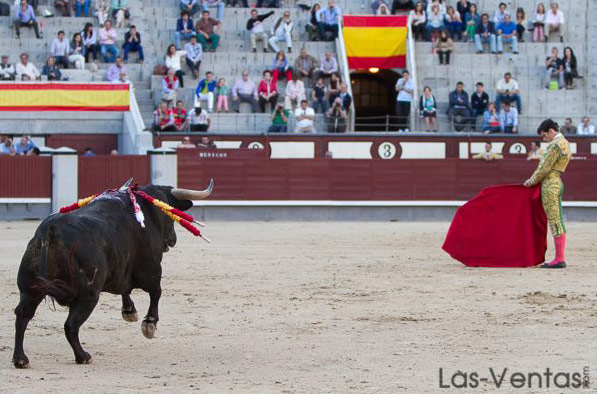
506,378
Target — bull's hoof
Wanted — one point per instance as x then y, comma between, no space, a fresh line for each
130,317
85,359
21,363
148,329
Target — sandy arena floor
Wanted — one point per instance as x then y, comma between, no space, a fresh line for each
316,308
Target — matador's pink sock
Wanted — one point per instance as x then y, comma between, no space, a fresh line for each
560,247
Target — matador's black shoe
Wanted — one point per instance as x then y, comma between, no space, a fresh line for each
554,266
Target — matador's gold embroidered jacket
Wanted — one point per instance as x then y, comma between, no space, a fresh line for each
554,161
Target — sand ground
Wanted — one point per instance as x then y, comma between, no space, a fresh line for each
316,308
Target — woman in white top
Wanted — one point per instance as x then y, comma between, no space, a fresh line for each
77,52
419,20
539,24
281,31
173,61
90,42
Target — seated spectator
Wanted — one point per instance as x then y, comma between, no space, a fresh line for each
25,17
435,23
102,7
200,120
206,89
586,128
88,152
7,148
345,97
428,109
244,91
34,152
172,60
132,43
419,21
26,71
82,8
295,92
521,23
329,22
123,78
335,118
318,96
24,146
208,32
554,22
186,143
405,87
218,4
268,91
539,23
506,33
281,66
191,7
509,119
479,101
60,49
64,6
77,52
463,7
459,110
488,155
255,27
535,153
304,118
383,10
402,6
163,120
500,14
471,21
306,65
282,32
51,70
333,88
279,120
441,5
221,93
184,29
554,69
454,23
90,42
120,12
194,55
570,67
115,70
7,71
232,3
329,65
107,38
206,143
444,47
568,127
170,85
311,27
491,120
376,4
180,116
485,33
507,89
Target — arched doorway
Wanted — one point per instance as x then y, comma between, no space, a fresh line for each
374,99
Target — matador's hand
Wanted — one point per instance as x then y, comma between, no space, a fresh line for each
528,183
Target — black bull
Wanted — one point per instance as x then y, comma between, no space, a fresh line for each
100,247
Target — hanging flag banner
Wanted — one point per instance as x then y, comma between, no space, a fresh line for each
376,41
56,96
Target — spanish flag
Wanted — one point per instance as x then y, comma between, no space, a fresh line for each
376,41
63,96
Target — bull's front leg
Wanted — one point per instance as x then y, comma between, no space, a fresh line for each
150,321
129,312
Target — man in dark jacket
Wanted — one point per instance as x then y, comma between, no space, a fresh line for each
184,28
255,26
479,102
132,43
485,33
459,111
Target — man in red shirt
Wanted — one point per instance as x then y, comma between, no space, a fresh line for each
180,116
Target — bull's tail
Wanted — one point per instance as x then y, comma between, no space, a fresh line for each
62,291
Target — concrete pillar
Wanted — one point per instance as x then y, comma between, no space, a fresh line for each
65,177
163,166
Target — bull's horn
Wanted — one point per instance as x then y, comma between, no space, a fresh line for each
185,194
126,185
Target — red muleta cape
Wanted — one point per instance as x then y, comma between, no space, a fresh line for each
503,226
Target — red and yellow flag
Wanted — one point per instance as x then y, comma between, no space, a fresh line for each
63,96
376,41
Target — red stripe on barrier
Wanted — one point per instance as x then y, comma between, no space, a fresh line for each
117,108
63,86
375,21
378,62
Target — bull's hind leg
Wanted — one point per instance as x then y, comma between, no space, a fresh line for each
129,312
24,311
80,311
150,321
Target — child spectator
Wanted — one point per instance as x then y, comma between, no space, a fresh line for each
318,96
570,67
77,52
444,47
471,20
521,23
454,23
428,109
539,23
268,92
51,70
221,92
419,21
